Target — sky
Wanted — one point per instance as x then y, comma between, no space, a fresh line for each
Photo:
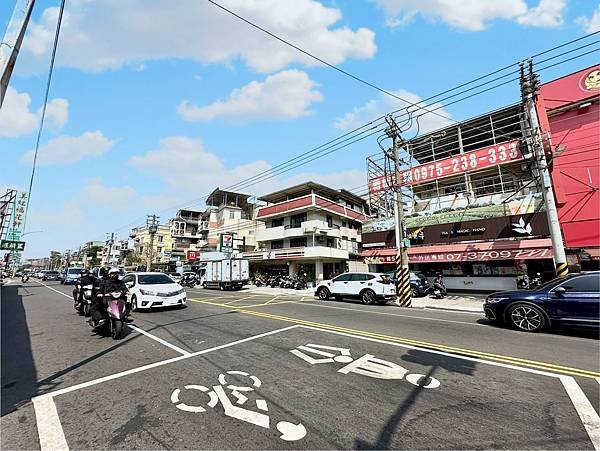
155,103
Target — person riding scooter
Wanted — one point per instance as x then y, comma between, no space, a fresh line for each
109,283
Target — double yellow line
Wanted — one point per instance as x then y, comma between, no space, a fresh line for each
543,366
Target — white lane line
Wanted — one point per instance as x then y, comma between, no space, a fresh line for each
50,431
160,340
389,314
585,410
137,329
165,362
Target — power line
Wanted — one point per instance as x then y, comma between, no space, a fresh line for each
39,134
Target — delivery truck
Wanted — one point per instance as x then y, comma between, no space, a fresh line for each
226,274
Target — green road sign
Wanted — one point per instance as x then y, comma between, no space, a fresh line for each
7,245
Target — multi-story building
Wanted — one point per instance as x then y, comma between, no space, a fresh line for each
162,246
308,228
473,205
231,213
188,231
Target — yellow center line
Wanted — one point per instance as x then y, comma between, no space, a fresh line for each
240,299
451,349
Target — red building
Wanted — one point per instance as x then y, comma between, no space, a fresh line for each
569,109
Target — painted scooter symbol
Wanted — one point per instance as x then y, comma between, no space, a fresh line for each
289,431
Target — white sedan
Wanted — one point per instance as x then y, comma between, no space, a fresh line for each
153,289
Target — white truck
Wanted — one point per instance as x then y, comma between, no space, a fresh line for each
226,274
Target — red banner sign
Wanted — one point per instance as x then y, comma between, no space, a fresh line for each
512,254
192,255
460,164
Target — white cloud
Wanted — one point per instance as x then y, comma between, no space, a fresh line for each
548,13
16,118
190,171
96,36
385,104
96,192
284,95
70,149
592,24
474,15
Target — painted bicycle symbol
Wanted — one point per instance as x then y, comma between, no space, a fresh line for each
221,393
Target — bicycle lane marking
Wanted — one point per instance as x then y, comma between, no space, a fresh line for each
135,328
50,430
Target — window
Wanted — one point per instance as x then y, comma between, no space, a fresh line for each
298,242
329,221
343,277
343,223
584,284
297,220
329,242
159,249
232,215
277,222
154,279
359,277
277,244
160,238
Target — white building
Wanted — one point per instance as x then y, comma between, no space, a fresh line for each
309,228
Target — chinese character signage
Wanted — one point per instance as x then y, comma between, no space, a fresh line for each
15,227
7,245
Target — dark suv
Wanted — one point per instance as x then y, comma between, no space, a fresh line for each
51,275
571,301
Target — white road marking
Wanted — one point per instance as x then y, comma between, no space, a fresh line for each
160,340
394,314
585,410
50,431
137,329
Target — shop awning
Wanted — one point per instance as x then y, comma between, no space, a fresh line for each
464,252
593,252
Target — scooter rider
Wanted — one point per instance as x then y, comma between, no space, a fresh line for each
87,278
108,282
115,284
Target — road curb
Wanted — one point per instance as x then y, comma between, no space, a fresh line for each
451,309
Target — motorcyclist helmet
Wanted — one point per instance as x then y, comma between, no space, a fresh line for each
113,273
85,272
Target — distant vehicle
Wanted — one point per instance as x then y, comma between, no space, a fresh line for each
366,286
175,276
227,274
419,285
569,301
153,289
51,275
71,275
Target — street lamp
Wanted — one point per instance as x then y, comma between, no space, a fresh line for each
29,233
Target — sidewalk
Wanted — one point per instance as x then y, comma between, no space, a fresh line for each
462,302
457,302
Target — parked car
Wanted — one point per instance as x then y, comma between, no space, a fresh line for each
51,275
153,289
418,283
368,287
71,275
570,301
175,276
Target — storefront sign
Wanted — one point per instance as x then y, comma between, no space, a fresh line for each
380,260
513,254
192,255
7,245
460,164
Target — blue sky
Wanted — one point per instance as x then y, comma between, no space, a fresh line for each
155,103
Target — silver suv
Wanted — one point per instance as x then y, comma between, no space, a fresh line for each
369,287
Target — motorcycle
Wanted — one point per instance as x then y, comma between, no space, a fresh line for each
438,289
116,311
189,281
24,278
83,298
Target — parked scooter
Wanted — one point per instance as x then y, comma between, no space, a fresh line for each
115,313
189,280
536,282
437,288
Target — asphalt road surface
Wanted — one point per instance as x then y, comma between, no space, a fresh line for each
241,370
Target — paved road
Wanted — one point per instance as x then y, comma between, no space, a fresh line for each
259,371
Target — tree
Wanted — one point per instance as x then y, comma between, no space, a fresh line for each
133,259
92,254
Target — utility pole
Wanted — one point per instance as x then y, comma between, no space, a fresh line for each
529,92
403,288
11,43
152,223
110,245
